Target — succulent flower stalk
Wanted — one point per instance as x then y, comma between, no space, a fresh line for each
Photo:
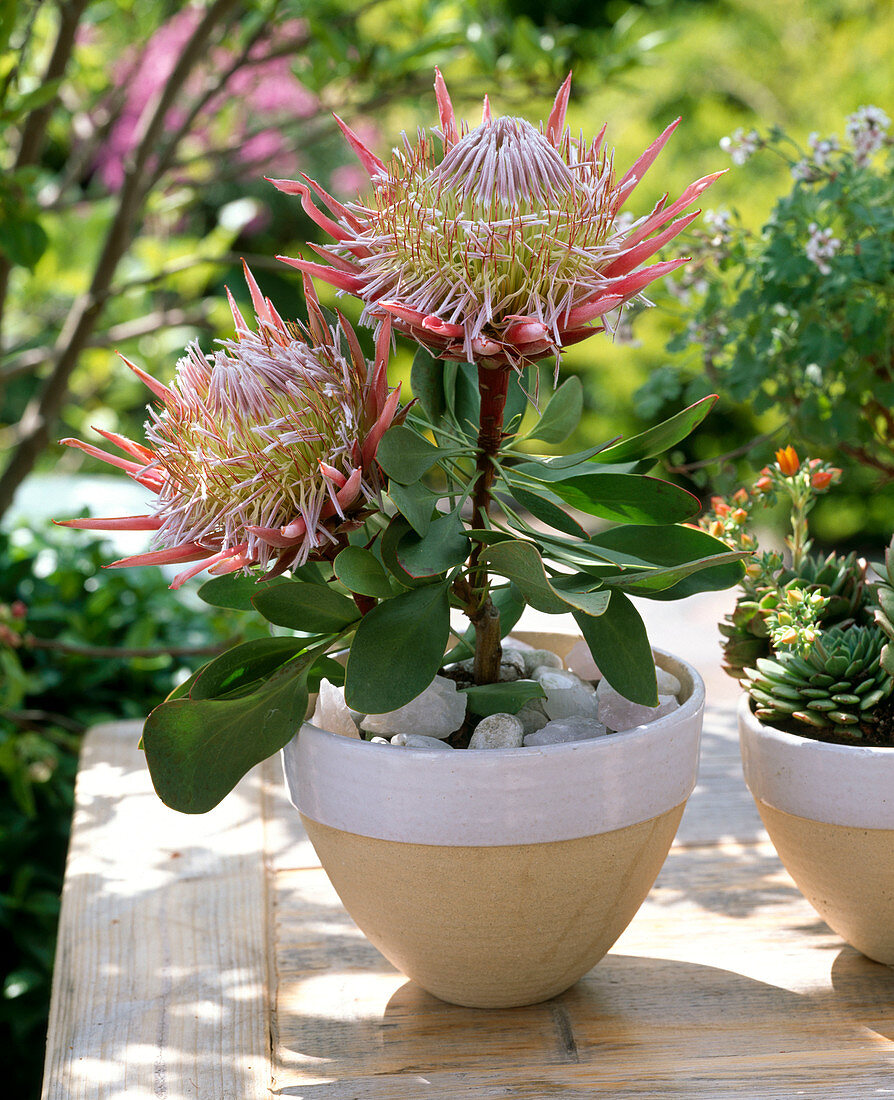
262,454
503,247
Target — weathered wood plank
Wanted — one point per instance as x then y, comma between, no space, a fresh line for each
160,984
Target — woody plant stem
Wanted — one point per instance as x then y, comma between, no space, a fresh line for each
493,383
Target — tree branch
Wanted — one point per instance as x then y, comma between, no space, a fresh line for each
35,128
85,311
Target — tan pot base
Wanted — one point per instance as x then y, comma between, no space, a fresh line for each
500,926
845,872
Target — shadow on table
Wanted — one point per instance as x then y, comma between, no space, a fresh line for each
631,1021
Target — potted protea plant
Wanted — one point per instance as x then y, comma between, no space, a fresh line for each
286,466
810,640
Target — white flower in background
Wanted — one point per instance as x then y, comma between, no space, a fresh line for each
822,148
721,223
866,129
802,170
821,246
741,145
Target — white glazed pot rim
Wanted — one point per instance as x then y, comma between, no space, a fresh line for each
849,785
500,796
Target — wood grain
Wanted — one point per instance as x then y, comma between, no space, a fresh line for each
160,986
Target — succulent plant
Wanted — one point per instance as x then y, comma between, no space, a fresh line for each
835,686
842,580
884,613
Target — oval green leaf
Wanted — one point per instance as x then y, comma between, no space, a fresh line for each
361,571
406,455
311,608
620,647
397,649
562,413
628,498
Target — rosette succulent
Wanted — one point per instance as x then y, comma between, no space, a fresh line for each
835,686
505,244
262,454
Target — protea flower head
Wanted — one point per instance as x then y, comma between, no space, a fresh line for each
261,453
506,246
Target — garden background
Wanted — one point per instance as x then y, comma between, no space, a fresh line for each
136,135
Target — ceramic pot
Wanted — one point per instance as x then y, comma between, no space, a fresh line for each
829,811
496,878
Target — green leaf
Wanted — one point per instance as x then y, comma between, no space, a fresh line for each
562,413
662,436
312,608
651,582
672,546
234,590
509,698
442,547
620,646
361,571
325,667
397,649
521,563
548,512
547,471
427,383
197,751
22,241
414,502
627,498
243,665
405,455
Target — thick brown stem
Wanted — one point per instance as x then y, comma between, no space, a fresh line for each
493,384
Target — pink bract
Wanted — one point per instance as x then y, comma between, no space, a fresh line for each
262,454
506,247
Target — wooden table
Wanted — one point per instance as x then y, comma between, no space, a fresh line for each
209,958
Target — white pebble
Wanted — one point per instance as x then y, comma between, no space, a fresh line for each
532,716
580,660
668,684
418,741
562,730
566,694
498,731
379,741
619,713
436,712
331,712
539,658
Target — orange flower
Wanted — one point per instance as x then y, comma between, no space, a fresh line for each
822,479
720,507
739,515
763,483
788,462
740,496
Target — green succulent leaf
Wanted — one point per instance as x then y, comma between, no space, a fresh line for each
427,383
627,498
661,437
548,512
441,548
521,562
405,455
562,413
620,646
509,698
244,665
397,649
361,571
234,590
198,750
415,504
311,608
